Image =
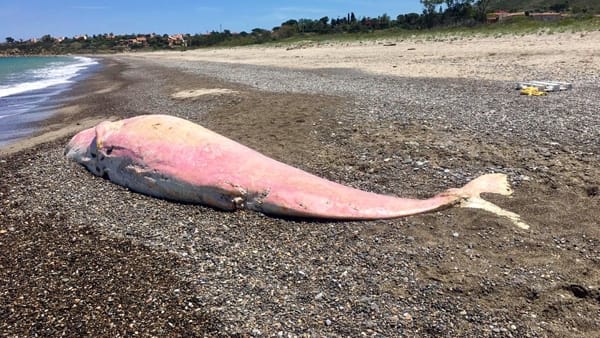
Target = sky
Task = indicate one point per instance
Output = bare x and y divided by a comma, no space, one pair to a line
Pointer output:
25,19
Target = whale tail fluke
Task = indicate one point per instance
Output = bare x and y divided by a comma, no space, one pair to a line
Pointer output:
489,183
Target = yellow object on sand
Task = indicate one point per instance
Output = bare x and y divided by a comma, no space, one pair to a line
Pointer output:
533,91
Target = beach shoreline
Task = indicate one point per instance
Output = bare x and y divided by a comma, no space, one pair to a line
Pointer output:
80,255
69,111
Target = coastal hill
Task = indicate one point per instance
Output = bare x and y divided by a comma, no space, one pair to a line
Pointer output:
464,15
574,6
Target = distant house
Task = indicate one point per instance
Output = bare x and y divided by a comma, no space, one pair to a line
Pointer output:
177,40
497,16
138,41
80,37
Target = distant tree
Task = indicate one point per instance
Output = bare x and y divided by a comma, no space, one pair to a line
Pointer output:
261,35
409,21
259,31
453,12
560,7
577,9
306,25
430,15
285,31
384,21
76,45
47,38
291,22
323,25
288,29
457,11
10,40
430,5
482,8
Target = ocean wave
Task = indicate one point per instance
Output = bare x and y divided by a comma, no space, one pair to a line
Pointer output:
8,115
56,73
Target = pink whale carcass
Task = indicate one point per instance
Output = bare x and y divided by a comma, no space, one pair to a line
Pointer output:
172,158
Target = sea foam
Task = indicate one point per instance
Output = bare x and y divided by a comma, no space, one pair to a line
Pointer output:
55,73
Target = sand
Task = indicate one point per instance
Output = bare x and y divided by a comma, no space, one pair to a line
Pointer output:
194,93
80,256
560,56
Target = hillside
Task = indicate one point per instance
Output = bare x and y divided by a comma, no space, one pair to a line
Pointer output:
576,6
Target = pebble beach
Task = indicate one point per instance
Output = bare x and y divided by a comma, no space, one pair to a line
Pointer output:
83,256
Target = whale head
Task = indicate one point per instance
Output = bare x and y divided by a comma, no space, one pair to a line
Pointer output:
85,147
82,148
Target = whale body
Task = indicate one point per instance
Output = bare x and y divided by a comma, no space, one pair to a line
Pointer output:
175,159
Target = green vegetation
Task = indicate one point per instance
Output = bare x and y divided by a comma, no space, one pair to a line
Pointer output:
573,6
439,18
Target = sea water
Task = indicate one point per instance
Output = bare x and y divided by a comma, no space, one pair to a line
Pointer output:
29,87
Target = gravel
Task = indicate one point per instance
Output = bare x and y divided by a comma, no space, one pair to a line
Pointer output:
485,108
82,256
